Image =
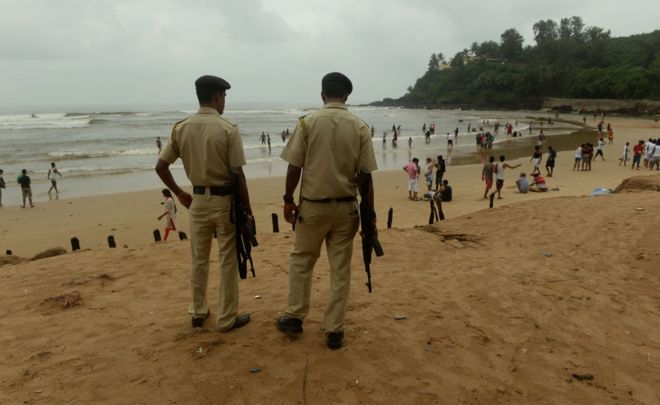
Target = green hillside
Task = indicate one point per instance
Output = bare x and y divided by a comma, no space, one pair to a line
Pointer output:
568,60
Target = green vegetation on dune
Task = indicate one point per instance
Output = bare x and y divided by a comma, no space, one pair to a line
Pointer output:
568,60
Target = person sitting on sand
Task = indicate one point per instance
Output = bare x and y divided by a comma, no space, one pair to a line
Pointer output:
538,184
169,214
522,183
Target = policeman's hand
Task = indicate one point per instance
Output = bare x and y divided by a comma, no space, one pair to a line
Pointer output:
290,212
185,199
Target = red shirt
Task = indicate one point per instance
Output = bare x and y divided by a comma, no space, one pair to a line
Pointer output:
637,149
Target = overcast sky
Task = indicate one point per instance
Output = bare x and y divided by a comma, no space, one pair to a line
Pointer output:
78,52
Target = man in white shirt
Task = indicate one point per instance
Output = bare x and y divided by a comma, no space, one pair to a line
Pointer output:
501,165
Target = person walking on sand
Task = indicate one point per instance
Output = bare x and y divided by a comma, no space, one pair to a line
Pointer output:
2,185
26,189
599,149
501,165
428,173
536,159
332,150
169,214
487,175
412,168
550,162
207,134
52,176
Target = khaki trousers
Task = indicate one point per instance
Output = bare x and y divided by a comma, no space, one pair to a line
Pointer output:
336,223
208,214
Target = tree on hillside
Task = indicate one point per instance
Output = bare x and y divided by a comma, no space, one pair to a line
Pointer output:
489,49
545,31
458,60
511,44
434,63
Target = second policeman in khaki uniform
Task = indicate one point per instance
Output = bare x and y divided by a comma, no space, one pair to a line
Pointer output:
211,150
331,149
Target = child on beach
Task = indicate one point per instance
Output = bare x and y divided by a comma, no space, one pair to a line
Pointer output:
522,183
536,158
538,184
170,213
624,155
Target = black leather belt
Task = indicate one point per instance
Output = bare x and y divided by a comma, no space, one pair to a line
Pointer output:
327,200
213,190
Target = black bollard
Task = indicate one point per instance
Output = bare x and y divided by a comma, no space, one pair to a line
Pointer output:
183,236
111,242
75,244
156,235
390,214
8,252
276,225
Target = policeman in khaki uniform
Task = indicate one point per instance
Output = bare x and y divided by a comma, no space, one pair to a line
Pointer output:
211,149
331,149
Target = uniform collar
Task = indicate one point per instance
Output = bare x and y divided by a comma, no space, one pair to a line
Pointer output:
207,110
335,104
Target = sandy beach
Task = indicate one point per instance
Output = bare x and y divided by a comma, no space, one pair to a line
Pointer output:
547,298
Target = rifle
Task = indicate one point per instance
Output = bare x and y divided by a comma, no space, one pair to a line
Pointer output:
369,233
246,229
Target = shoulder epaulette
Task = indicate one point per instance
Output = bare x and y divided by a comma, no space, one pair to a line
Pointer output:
227,121
178,122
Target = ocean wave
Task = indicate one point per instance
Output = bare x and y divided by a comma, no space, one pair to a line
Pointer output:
83,171
78,155
106,113
288,111
43,121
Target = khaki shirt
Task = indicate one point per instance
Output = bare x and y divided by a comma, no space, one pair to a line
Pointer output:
331,145
208,145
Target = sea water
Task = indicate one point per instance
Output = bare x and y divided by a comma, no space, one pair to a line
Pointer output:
105,149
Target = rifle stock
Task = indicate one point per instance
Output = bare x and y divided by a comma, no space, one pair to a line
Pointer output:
246,230
370,242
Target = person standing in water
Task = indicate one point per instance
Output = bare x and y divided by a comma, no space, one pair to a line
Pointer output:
52,176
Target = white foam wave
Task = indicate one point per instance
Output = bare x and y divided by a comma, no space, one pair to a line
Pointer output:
43,121
86,154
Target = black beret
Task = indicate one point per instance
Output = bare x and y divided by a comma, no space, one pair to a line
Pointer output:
337,79
208,82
